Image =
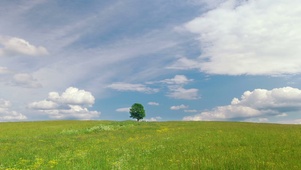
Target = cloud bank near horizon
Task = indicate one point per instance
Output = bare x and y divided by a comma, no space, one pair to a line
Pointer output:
71,104
6,114
259,103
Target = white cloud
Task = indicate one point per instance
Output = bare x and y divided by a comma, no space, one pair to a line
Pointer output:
282,115
125,109
185,64
6,115
226,113
73,112
182,106
177,80
279,99
176,90
190,111
132,87
154,119
295,121
259,37
25,80
73,96
174,86
181,93
9,115
256,104
43,105
72,104
258,120
153,103
16,46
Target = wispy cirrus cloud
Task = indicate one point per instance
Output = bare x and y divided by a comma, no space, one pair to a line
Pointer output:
124,109
191,111
182,93
90,33
153,103
176,89
182,106
132,87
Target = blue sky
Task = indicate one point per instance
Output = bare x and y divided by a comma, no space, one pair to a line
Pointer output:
201,60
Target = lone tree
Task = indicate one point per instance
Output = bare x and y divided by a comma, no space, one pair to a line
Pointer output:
137,111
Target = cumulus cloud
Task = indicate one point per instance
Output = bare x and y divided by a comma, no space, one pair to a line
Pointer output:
43,105
12,46
182,106
153,103
71,104
259,103
73,112
132,87
73,96
226,113
9,115
258,37
124,109
25,80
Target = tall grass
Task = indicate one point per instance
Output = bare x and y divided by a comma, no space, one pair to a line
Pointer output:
148,145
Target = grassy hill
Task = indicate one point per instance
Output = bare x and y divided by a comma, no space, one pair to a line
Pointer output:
148,145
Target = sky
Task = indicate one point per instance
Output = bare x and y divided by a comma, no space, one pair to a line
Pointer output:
183,60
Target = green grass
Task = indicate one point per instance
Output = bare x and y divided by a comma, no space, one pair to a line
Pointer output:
148,145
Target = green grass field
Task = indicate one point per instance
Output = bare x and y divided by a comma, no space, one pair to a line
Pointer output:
148,145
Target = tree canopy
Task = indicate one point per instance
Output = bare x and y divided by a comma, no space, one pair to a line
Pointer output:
137,111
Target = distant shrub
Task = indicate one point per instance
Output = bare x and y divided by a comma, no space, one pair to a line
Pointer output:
69,132
98,128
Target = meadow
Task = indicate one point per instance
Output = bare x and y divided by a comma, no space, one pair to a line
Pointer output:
88,145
